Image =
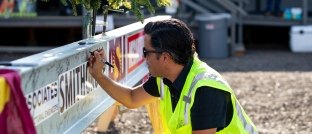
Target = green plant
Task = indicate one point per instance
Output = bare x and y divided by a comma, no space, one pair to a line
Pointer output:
132,5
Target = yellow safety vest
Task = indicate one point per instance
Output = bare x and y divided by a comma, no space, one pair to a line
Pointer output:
179,121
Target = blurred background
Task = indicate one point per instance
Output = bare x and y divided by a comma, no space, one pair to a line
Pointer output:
28,27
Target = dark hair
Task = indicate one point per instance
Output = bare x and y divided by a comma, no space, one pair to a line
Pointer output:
172,36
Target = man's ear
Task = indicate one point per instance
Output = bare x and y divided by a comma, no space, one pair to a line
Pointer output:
166,57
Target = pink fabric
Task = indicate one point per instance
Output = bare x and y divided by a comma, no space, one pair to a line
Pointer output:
15,118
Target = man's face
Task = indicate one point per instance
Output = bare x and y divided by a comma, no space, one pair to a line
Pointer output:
153,63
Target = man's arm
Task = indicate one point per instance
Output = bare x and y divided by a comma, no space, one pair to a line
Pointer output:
129,97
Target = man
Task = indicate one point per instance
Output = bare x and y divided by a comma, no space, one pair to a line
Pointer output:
193,97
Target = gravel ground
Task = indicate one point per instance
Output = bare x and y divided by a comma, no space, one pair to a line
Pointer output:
274,88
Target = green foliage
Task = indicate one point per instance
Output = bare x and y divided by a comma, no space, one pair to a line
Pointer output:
135,6
163,2
132,5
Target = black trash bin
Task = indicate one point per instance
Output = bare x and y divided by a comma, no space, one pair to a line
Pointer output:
213,35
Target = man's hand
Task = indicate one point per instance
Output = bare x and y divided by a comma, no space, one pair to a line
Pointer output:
96,63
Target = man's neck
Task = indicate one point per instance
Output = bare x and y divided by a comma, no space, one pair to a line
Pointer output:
173,71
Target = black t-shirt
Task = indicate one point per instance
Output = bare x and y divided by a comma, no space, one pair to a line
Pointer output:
212,107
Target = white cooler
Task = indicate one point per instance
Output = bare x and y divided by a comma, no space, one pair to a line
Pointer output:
301,39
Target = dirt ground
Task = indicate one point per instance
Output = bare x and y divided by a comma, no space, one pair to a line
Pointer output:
274,87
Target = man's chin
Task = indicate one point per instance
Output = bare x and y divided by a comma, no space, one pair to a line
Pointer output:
151,74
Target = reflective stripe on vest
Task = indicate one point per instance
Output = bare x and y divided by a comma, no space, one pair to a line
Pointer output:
162,87
248,127
187,99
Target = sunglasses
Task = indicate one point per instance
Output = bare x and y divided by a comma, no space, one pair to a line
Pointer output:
145,52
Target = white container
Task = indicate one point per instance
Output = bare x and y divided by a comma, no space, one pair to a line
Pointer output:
296,13
301,39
